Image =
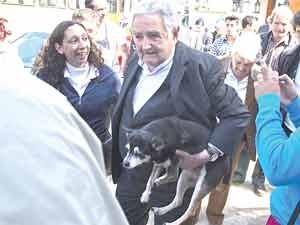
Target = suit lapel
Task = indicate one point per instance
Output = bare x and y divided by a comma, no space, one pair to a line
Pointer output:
176,73
130,77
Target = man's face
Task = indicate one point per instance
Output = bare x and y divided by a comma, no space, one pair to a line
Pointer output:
280,27
241,67
231,28
100,6
153,43
75,46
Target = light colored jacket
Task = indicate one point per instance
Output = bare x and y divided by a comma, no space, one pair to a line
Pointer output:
52,169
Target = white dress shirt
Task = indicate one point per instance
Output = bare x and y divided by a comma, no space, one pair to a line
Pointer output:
150,82
239,86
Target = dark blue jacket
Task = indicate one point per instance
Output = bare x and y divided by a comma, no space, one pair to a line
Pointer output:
96,103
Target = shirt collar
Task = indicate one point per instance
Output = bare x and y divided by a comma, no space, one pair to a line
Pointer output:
160,67
89,70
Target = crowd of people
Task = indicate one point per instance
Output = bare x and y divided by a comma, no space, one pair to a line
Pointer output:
64,129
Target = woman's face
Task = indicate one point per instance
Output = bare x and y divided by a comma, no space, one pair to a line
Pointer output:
75,46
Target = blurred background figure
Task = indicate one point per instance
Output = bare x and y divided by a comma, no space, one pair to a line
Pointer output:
249,24
279,37
73,65
52,169
9,59
108,32
221,48
273,44
91,21
201,38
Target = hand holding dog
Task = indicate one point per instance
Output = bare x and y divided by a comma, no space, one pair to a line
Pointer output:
191,161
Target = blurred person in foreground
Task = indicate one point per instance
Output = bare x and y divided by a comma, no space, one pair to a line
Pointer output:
9,59
73,65
277,152
52,169
164,78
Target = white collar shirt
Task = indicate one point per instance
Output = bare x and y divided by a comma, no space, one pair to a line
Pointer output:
150,82
79,78
239,86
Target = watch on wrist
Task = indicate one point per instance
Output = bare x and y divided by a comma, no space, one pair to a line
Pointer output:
214,152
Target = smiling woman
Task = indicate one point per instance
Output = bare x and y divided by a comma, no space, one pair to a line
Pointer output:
73,64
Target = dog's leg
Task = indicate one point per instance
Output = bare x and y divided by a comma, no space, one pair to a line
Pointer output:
154,174
185,181
171,175
193,206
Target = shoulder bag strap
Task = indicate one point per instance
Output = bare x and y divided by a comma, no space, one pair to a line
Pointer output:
295,214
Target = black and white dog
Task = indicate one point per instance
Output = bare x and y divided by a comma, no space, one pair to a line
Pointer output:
156,143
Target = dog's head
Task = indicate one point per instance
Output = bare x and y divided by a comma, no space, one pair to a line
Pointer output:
143,147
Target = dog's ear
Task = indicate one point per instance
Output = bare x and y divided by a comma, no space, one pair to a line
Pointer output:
157,143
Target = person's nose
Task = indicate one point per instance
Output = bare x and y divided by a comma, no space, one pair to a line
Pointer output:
83,43
146,43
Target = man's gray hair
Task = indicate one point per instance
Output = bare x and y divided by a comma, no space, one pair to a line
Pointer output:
281,10
165,8
247,46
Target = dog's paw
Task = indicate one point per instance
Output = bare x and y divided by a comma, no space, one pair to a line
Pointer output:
145,197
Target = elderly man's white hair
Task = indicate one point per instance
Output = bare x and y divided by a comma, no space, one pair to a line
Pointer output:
282,10
167,9
247,46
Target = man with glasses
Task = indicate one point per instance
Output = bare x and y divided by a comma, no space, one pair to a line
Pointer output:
164,78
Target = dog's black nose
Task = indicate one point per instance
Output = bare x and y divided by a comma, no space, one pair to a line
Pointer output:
126,164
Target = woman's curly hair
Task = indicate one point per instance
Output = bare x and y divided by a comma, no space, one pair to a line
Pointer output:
53,63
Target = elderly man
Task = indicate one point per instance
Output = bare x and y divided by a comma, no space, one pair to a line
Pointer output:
273,43
167,78
279,36
237,75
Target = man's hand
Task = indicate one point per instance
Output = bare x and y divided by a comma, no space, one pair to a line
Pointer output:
287,89
266,82
188,161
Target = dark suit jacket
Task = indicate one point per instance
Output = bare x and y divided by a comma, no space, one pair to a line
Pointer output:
289,61
199,94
